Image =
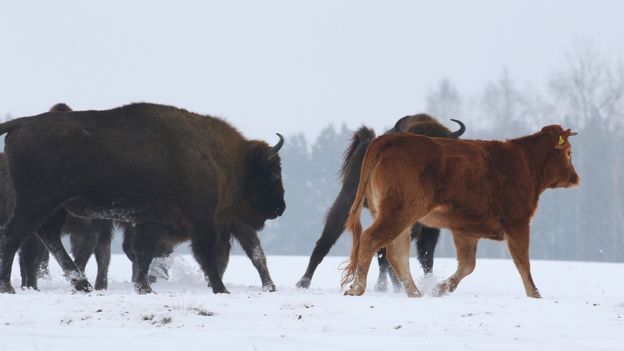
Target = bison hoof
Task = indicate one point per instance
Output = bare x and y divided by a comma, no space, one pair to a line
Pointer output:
304,283
82,285
143,289
381,286
220,291
270,287
6,288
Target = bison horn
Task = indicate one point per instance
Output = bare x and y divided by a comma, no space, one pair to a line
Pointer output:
462,128
398,126
275,149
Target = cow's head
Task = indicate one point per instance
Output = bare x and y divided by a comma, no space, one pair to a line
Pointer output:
264,191
559,171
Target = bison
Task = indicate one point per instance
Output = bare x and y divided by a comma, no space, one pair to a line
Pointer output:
477,189
426,237
87,236
171,173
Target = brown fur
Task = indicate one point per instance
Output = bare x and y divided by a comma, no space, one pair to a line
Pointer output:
478,189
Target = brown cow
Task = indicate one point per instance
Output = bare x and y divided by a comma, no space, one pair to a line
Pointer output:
477,189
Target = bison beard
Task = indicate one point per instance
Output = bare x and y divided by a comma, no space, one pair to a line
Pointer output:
174,174
426,237
478,189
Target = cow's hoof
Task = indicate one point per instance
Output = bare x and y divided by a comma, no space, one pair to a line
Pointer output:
101,285
6,288
354,292
413,293
304,283
82,285
270,287
442,289
535,294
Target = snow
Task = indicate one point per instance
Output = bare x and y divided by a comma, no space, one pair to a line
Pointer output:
582,309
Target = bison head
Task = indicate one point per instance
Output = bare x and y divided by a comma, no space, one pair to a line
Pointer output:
423,124
264,191
559,171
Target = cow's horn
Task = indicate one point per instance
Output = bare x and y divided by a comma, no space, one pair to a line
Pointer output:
275,149
462,128
573,133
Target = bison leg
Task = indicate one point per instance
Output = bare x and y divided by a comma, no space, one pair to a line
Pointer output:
82,246
398,255
50,234
22,224
384,271
518,243
426,241
145,241
31,256
334,226
204,245
337,216
466,247
103,255
251,244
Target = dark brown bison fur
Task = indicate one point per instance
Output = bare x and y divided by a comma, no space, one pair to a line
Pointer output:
477,189
87,236
426,238
172,173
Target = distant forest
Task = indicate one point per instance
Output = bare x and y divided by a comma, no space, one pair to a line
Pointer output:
585,94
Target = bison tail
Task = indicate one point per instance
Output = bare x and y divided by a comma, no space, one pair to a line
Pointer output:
8,126
359,136
354,224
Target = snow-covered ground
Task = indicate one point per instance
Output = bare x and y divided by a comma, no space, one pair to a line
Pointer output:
582,309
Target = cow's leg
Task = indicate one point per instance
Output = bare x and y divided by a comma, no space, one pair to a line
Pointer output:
378,235
518,243
398,255
145,240
31,255
103,255
426,242
204,244
466,247
50,234
251,244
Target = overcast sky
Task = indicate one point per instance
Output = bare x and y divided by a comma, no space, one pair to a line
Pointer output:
284,66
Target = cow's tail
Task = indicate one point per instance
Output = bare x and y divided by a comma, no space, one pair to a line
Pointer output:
8,126
354,224
359,136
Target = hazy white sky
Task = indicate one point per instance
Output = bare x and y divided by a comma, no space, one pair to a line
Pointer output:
284,66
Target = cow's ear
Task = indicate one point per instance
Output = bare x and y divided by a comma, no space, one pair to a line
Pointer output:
562,141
